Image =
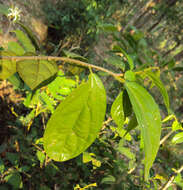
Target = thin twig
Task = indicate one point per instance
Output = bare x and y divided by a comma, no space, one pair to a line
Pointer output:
166,137
171,179
117,76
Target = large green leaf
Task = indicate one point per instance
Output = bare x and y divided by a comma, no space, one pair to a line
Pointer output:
149,119
36,72
7,67
75,124
117,112
156,80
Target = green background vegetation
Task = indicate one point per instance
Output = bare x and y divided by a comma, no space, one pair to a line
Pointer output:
114,35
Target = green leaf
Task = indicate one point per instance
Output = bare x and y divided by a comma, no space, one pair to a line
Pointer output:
178,138
123,134
31,35
74,55
132,124
117,112
129,59
116,61
176,126
149,119
13,158
16,81
41,156
108,28
156,80
7,67
25,41
48,101
108,179
14,179
16,48
37,73
76,122
126,151
2,166
87,157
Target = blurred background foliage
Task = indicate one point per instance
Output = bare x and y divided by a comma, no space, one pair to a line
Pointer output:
150,32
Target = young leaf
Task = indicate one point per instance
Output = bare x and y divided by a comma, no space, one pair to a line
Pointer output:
130,60
156,80
149,119
76,121
34,72
130,76
7,67
25,41
178,138
117,110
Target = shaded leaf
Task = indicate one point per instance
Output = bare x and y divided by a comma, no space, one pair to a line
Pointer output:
127,106
149,119
76,122
108,179
74,55
25,41
16,48
116,61
7,67
132,124
14,179
16,81
30,34
108,27
126,151
34,72
117,112
2,166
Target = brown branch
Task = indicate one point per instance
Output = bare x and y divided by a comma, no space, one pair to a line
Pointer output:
117,76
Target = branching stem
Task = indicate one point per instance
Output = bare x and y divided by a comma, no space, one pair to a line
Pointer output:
171,179
117,76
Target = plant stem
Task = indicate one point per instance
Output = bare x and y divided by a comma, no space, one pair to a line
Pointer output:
117,76
171,179
166,137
